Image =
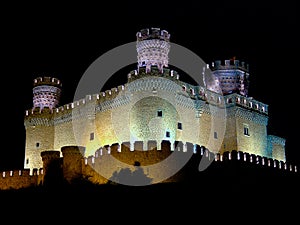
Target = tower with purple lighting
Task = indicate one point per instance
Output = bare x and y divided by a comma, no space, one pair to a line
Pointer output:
153,48
46,92
232,76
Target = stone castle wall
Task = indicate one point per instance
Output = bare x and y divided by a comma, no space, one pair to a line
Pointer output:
130,113
39,137
117,162
19,179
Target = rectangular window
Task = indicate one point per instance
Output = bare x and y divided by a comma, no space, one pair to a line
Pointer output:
215,135
246,130
168,134
179,126
27,161
92,136
159,113
37,144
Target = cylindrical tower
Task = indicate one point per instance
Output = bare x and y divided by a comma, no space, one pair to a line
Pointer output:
52,167
46,92
153,46
72,161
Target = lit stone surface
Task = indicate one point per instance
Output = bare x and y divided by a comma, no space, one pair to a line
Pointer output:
129,115
153,48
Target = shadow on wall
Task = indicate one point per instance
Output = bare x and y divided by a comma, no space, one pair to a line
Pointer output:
128,177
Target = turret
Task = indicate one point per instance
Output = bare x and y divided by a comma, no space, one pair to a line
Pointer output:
72,162
46,92
52,167
232,76
153,48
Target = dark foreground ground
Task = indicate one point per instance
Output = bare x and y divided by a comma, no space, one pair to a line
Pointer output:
228,193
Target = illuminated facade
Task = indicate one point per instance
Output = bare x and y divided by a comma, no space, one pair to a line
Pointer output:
154,106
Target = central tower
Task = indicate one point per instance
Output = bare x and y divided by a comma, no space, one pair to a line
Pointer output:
153,46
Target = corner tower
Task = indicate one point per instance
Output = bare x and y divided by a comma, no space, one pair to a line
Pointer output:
153,46
38,121
232,76
46,92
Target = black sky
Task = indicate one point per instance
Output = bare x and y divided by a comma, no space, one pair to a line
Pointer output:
62,41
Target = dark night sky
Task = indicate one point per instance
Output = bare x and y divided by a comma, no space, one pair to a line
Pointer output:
62,42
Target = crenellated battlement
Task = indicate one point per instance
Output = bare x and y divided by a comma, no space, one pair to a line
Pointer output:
17,179
67,108
213,98
154,71
115,97
22,172
257,160
229,64
167,148
51,81
36,112
102,97
153,33
247,102
74,164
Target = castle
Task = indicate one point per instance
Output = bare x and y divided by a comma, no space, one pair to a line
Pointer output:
145,121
